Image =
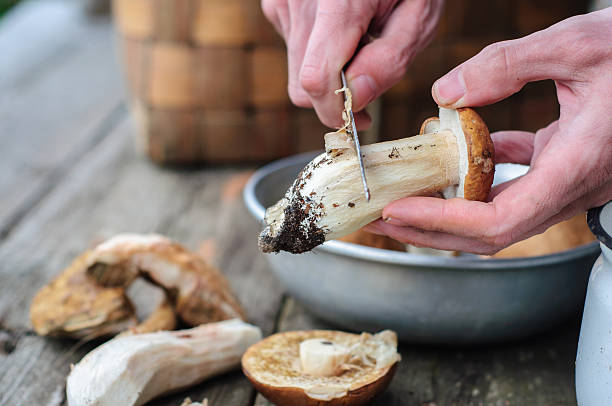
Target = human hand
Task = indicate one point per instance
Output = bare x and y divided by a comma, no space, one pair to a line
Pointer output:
323,35
571,159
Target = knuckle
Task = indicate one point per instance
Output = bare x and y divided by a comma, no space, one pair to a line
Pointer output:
312,80
499,241
270,7
332,9
331,122
298,97
397,59
488,251
499,55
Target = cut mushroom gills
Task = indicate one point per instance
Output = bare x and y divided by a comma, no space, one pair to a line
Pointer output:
322,367
453,155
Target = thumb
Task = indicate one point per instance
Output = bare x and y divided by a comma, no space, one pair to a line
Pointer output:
503,68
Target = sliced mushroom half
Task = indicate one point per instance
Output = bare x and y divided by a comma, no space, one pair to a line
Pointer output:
320,367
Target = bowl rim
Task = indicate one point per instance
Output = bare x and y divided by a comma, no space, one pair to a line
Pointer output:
404,258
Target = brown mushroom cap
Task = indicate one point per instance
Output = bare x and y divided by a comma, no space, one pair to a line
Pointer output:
481,156
480,152
273,367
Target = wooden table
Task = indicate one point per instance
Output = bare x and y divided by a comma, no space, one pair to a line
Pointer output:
69,176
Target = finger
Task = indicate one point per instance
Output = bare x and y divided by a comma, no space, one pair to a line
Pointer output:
302,18
513,146
363,120
454,216
498,189
595,198
374,227
337,29
382,63
503,68
437,240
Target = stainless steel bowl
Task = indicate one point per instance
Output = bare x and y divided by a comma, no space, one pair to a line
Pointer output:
425,298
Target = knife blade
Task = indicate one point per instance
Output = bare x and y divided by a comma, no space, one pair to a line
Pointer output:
366,189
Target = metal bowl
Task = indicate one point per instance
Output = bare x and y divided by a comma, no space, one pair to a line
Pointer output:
425,298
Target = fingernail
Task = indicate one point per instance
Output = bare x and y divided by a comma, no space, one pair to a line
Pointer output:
363,89
393,221
450,89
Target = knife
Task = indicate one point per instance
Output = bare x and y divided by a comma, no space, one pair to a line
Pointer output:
366,189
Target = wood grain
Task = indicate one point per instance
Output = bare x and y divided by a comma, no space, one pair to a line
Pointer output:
171,80
225,135
172,136
268,77
136,62
172,19
307,131
221,23
56,104
221,78
108,192
135,18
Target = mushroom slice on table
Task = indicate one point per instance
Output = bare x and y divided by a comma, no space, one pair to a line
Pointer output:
74,305
199,292
321,367
131,370
454,155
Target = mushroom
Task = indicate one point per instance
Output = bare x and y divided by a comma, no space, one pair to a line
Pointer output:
74,305
453,155
199,292
131,370
88,298
322,367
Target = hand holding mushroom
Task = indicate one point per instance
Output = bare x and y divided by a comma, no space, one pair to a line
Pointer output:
571,159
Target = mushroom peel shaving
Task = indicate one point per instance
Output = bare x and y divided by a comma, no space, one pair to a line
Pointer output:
131,370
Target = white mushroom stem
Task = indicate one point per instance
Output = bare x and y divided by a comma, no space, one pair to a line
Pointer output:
132,370
321,357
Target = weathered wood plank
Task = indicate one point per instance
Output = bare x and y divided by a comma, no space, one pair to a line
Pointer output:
537,371
59,87
110,190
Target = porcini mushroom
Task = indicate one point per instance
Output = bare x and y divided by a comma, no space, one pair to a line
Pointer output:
74,305
131,370
200,293
321,367
453,155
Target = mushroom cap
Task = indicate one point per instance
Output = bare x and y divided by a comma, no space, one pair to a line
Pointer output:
481,156
273,368
480,153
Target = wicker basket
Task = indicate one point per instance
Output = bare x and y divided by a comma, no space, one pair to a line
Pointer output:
208,82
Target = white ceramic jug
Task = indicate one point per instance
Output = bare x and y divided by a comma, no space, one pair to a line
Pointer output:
594,358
